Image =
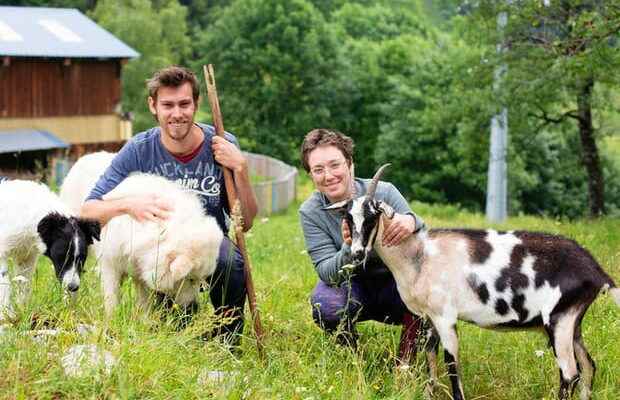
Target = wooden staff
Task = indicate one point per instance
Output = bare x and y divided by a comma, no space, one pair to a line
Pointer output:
234,203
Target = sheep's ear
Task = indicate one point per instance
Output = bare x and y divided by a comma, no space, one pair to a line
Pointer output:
49,226
91,228
386,209
180,267
338,208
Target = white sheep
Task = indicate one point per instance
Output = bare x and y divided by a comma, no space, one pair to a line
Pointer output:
82,178
172,257
492,279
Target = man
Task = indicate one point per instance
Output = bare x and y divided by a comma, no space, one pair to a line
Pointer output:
343,297
192,155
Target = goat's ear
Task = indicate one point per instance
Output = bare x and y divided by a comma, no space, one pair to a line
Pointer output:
386,209
339,207
180,267
49,225
91,228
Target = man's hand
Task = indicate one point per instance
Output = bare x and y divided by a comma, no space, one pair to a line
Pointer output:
150,207
346,233
400,228
227,154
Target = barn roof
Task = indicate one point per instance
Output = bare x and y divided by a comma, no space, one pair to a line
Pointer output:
29,140
56,32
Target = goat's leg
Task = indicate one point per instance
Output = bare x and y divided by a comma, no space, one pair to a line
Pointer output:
5,291
449,340
561,334
408,346
587,367
431,347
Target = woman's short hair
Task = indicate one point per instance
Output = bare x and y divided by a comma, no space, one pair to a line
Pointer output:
326,137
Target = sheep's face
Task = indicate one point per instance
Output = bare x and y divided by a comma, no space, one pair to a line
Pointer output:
66,242
191,258
187,271
184,254
362,217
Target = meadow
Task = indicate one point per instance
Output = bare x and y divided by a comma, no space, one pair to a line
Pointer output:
156,361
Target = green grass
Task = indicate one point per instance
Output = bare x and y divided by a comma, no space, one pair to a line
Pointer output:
155,361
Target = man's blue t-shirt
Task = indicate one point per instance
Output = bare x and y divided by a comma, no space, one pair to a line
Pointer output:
201,175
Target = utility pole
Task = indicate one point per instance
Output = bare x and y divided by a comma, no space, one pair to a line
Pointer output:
497,181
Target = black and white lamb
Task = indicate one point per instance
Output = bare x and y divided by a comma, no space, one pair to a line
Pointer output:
34,221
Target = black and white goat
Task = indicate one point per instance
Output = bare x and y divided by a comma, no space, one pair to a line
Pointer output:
34,221
492,279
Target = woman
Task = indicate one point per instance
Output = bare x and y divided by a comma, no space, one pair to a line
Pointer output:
346,295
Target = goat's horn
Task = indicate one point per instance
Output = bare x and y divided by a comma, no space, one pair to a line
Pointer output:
375,180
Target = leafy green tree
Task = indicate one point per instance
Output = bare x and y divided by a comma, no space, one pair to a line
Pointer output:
378,22
158,34
277,66
379,40
561,60
436,141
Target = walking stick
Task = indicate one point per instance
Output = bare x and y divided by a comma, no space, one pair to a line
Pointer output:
234,204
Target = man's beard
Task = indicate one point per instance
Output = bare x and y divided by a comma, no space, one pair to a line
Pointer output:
178,134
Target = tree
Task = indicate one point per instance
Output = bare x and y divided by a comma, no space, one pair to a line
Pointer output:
560,59
158,34
434,123
381,41
278,68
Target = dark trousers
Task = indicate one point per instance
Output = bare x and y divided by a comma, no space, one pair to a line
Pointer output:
227,291
337,309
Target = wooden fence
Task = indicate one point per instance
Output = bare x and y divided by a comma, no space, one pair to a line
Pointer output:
279,188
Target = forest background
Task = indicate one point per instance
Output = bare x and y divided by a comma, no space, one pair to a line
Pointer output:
412,81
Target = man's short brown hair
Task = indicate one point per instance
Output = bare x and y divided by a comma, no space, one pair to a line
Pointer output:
325,137
173,76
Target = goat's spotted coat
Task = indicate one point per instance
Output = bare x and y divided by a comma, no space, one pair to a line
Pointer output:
493,279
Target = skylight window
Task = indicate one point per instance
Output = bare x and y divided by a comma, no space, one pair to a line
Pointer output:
7,34
60,31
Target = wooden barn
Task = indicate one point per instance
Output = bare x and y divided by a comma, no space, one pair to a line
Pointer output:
60,82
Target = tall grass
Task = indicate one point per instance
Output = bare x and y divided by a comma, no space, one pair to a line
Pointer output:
156,361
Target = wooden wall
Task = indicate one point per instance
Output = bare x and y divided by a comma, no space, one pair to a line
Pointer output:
31,87
75,129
